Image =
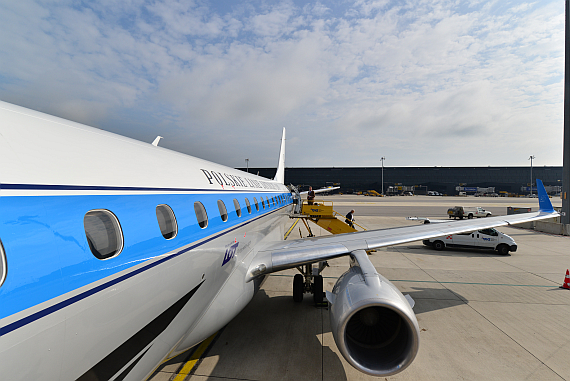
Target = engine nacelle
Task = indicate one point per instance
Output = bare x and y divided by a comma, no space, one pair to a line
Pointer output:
373,324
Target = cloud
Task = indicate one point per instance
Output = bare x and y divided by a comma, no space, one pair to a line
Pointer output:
408,79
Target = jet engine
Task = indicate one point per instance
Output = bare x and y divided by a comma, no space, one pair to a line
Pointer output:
373,324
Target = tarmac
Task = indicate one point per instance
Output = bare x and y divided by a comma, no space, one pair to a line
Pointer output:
482,316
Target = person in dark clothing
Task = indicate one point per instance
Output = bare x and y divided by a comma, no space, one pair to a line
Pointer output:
350,218
310,196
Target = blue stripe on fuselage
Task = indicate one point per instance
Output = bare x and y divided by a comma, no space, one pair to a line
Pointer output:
48,254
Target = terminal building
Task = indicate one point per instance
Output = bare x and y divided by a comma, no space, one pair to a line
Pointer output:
420,180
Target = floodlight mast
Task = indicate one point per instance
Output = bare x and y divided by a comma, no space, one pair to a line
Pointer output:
382,160
531,158
565,215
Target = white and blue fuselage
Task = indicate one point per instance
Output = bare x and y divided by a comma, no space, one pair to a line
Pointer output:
67,314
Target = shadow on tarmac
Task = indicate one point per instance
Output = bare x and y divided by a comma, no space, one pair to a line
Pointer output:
433,299
454,252
276,338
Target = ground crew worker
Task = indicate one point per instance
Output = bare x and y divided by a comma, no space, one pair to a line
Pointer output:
310,196
350,218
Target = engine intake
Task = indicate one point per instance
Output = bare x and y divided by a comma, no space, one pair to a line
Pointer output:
373,324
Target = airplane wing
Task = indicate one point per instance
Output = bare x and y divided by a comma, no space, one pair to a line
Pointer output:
426,220
285,255
321,190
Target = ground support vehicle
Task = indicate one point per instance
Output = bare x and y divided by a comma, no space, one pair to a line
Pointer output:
463,212
481,239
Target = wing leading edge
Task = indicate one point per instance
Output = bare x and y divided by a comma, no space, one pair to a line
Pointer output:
289,254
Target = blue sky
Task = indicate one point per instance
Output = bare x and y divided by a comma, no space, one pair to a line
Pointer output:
423,83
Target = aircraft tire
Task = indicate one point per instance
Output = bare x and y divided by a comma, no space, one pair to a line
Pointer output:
318,289
298,286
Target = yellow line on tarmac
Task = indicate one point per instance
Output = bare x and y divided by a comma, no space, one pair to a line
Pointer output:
290,229
187,368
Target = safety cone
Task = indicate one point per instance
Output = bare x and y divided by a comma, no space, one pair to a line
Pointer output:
566,283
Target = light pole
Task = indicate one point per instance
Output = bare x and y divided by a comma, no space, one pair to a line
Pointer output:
531,158
382,160
247,165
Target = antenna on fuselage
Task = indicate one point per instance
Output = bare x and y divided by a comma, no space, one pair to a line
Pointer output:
155,142
280,174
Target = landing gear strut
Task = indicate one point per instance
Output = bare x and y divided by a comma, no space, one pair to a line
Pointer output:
309,281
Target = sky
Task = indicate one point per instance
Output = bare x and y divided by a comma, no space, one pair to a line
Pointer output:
421,83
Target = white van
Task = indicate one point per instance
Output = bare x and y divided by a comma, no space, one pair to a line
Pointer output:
480,239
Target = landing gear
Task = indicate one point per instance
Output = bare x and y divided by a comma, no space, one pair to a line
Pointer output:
318,289
298,288
309,281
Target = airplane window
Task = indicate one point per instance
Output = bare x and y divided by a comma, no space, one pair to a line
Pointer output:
248,205
223,210
256,204
238,208
268,202
262,202
3,264
273,201
103,233
201,214
166,221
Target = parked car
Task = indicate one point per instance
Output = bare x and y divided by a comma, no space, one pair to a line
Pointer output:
462,212
481,239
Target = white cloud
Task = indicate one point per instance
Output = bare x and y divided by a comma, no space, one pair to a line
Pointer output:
407,78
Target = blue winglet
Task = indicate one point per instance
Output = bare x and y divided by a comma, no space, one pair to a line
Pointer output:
544,204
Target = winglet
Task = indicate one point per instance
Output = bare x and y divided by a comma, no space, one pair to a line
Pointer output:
155,142
544,204
280,174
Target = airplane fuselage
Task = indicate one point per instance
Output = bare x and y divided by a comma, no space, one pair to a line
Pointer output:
70,312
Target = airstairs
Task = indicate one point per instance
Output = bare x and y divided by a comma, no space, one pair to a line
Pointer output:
322,214
319,212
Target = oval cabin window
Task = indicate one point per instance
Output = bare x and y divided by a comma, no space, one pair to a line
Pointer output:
238,207
223,210
201,215
103,233
248,205
166,221
3,264
256,204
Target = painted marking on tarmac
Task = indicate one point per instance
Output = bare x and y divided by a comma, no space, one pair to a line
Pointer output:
291,229
471,283
196,356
